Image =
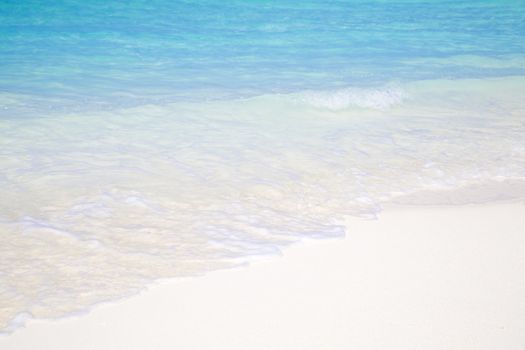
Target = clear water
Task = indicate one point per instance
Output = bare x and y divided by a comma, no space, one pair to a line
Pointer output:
155,139
157,50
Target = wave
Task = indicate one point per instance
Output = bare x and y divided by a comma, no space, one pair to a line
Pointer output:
375,98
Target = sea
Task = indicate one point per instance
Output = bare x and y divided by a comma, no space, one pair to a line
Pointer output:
144,140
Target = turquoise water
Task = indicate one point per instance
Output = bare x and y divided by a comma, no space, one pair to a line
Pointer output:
106,52
157,139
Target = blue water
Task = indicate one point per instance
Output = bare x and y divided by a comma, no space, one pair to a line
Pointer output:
107,52
144,140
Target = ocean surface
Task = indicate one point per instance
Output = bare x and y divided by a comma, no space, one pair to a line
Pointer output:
145,140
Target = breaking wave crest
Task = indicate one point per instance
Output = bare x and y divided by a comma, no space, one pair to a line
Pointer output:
375,98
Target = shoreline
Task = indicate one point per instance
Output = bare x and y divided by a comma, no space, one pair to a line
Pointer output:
429,277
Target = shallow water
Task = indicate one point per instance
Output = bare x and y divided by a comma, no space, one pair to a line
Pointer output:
163,139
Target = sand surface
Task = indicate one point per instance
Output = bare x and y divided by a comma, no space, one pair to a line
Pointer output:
417,278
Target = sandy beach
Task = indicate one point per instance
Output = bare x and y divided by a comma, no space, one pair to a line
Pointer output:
416,278
262,175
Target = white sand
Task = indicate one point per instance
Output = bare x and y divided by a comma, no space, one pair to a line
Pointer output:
417,278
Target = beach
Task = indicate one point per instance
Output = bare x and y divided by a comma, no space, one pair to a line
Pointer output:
262,174
427,277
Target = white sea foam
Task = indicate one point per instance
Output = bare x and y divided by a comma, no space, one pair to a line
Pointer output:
376,98
95,207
